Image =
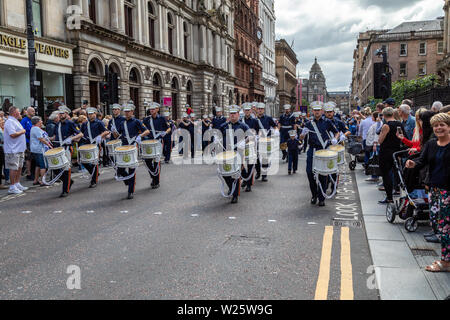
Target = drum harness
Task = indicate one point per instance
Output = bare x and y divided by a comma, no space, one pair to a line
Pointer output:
316,175
158,159
130,142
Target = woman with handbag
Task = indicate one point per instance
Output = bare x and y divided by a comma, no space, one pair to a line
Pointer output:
372,144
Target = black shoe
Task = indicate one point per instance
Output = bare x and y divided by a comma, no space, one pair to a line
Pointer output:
130,196
289,173
248,189
93,185
321,203
71,184
433,239
156,186
264,179
313,200
284,157
386,201
234,200
294,172
63,195
258,175
429,234
244,184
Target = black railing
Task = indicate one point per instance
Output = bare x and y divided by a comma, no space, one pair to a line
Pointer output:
425,98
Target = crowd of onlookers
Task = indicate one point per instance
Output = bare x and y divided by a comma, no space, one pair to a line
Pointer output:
425,135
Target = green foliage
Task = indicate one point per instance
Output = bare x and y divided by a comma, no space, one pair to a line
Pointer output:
402,87
373,103
305,102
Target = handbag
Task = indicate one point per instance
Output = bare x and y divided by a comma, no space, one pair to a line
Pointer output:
373,166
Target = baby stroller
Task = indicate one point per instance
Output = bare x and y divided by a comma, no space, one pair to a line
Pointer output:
412,206
356,151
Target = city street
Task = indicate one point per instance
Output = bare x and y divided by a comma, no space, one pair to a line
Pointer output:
184,241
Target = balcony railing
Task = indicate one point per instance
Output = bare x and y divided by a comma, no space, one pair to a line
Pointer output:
408,35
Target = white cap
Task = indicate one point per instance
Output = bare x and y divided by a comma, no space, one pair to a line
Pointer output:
205,116
328,107
219,109
193,115
234,109
116,106
287,107
166,114
211,115
261,106
91,110
64,109
129,107
292,133
316,105
185,115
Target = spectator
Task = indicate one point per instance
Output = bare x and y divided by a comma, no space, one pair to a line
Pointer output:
362,132
408,102
436,107
372,141
84,106
415,144
445,109
52,123
389,144
427,129
6,105
81,119
27,125
39,144
2,154
436,155
15,145
408,120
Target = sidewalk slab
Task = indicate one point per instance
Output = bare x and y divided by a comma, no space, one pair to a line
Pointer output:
392,254
383,231
403,284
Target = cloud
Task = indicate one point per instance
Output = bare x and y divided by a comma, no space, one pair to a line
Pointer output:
329,29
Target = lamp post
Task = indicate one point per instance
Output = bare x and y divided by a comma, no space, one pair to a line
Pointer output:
31,53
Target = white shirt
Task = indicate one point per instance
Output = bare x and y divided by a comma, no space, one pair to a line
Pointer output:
365,126
372,136
14,145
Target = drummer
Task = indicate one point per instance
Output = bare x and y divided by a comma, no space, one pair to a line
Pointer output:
167,147
265,123
131,132
286,124
330,114
206,125
234,124
158,128
318,139
94,132
66,131
253,125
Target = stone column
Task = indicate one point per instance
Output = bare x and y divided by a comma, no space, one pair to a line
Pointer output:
114,12
85,9
203,46
121,16
223,54
180,36
210,46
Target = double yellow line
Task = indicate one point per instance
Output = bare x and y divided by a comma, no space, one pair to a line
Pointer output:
325,264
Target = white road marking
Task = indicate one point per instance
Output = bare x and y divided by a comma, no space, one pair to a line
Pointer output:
232,218
27,211
59,211
312,223
125,211
90,211
272,220
194,215
158,213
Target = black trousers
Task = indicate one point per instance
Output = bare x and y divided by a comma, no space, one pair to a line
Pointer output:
259,165
131,183
167,148
67,176
2,163
91,168
230,181
387,167
153,166
246,171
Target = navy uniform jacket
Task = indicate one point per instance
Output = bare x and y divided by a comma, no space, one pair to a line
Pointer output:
267,123
68,129
205,128
135,127
118,121
340,125
324,126
218,122
252,123
293,145
287,121
159,123
97,128
235,126
189,128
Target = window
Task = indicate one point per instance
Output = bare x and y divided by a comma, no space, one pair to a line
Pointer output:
422,68
170,28
37,17
440,45
423,49
403,49
151,24
129,6
92,12
185,40
403,72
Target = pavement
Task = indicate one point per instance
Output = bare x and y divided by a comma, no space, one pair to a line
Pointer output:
185,241
399,256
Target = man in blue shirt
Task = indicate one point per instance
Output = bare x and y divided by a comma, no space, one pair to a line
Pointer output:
27,125
286,124
318,131
265,124
117,119
233,125
132,131
409,122
159,129
66,132
94,132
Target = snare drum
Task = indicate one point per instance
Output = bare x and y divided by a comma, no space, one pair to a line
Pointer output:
57,159
112,145
265,146
150,149
126,157
228,163
325,162
89,154
250,151
341,153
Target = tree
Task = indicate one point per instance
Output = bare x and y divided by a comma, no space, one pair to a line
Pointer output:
401,88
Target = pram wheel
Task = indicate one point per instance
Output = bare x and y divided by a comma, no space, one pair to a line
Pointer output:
411,224
352,165
391,212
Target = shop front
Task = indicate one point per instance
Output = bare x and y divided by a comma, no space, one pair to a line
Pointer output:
54,62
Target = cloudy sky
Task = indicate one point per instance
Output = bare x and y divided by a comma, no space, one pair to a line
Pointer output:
328,29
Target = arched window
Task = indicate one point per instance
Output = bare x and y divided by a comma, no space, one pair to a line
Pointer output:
156,88
134,77
170,31
185,39
151,24
189,93
93,68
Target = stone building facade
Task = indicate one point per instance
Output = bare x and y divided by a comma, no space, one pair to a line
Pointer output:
342,100
54,55
315,86
267,55
286,69
248,67
414,49
444,64
167,51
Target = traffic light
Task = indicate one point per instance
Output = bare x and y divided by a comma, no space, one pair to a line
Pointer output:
382,82
104,92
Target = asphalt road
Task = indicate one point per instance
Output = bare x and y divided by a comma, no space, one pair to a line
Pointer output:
182,241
